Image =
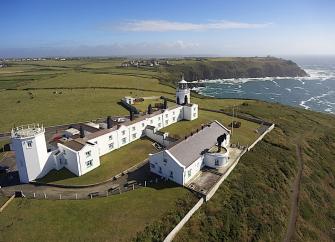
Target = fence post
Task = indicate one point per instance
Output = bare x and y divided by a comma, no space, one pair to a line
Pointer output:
60,196
145,183
133,186
107,193
76,196
45,195
34,195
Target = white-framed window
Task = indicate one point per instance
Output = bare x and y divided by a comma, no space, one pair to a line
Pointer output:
143,125
88,153
96,142
123,132
151,121
29,144
134,128
159,118
159,125
189,173
124,140
134,136
166,121
173,113
194,114
110,137
166,115
174,119
111,146
89,163
195,109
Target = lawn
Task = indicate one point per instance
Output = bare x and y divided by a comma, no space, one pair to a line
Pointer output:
143,106
245,135
116,218
112,164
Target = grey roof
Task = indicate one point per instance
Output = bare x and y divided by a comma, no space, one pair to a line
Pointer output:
74,145
190,149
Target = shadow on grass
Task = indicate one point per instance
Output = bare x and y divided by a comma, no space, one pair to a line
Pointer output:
55,175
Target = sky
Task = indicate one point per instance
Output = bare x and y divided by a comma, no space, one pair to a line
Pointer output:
44,28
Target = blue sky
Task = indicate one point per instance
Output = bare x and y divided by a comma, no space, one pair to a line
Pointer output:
174,27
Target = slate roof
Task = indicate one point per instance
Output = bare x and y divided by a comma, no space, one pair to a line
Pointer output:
74,145
190,149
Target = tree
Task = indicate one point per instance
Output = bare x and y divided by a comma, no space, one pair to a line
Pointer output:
149,109
220,140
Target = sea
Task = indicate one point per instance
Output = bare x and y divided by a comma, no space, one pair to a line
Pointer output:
315,92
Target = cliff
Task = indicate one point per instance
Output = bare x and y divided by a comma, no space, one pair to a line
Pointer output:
237,67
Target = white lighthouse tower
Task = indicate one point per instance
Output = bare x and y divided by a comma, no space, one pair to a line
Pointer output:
30,148
183,93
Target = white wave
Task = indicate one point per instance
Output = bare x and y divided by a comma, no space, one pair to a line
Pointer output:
299,88
276,83
289,89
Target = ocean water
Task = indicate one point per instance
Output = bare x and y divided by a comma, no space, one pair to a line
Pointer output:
315,92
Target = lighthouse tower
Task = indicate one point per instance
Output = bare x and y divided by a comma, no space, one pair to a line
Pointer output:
183,93
30,148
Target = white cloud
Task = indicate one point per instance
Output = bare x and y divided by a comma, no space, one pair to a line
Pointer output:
165,26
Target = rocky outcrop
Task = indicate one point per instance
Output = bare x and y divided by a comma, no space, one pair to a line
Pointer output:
238,67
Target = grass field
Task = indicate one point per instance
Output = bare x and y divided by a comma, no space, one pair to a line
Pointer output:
111,164
245,135
117,218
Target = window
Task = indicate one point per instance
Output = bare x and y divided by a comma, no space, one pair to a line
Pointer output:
134,136
152,166
159,125
89,163
166,115
173,112
159,118
123,132
124,140
189,173
143,125
111,145
110,137
174,119
134,128
151,121
96,142
29,144
195,109
165,160
88,153
171,174
166,121
160,170
216,162
194,114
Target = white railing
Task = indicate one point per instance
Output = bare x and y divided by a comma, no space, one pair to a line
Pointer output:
27,130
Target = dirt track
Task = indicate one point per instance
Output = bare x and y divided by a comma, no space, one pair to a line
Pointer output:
294,198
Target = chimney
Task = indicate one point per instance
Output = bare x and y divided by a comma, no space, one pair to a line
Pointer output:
131,115
109,122
82,133
165,104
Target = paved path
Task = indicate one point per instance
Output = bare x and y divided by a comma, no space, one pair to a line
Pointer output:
295,198
139,175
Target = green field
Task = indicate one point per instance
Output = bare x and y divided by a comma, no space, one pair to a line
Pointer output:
116,218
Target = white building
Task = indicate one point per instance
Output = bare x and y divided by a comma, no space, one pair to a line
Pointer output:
81,154
183,161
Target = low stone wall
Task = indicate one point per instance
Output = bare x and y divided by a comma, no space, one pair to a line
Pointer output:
179,226
218,184
7,203
261,137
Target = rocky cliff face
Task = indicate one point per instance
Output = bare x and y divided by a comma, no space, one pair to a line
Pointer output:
251,67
